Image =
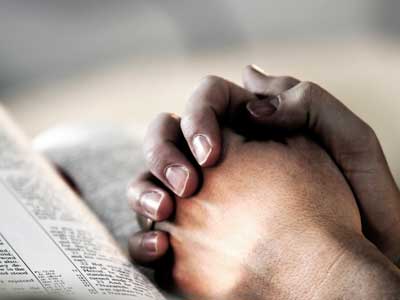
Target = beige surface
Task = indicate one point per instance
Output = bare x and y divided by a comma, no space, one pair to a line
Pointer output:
362,73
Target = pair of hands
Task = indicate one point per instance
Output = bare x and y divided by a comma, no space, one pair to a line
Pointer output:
288,105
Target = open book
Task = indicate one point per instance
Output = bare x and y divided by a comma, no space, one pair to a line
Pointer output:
51,242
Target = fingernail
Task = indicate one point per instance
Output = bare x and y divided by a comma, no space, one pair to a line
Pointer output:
257,69
202,148
177,177
150,202
149,242
263,107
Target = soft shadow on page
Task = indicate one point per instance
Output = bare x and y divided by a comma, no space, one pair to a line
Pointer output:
100,160
50,241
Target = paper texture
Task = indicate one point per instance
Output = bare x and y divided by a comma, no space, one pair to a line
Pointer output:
101,159
50,242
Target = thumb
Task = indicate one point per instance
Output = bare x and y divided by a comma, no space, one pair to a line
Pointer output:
258,82
354,147
307,106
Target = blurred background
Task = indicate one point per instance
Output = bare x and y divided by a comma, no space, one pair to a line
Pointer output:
125,61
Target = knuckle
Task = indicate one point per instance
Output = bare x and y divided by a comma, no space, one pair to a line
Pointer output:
305,88
164,117
158,124
282,84
287,81
187,120
248,70
302,93
368,134
191,122
308,92
363,142
367,129
211,80
311,90
210,88
150,149
156,155
187,126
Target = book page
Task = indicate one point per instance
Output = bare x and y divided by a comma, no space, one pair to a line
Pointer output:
50,242
101,159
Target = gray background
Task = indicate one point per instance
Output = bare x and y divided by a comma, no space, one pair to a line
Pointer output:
47,39
125,61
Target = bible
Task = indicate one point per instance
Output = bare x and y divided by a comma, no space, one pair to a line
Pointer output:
54,242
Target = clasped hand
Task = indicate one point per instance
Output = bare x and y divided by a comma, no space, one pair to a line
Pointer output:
295,201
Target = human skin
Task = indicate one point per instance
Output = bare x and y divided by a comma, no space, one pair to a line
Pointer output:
297,106
274,220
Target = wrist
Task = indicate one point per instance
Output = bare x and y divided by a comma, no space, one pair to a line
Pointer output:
358,271
317,265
